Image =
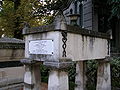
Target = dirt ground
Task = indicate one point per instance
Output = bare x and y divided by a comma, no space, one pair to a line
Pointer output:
44,86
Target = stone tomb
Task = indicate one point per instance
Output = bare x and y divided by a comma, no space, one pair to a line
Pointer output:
80,45
11,49
57,46
11,70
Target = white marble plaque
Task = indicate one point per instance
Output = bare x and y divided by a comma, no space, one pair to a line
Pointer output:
41,47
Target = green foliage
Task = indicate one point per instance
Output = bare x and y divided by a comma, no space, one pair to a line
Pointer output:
115,72
72,74
91,74
36,13
115,6
7,18
44,73
12,18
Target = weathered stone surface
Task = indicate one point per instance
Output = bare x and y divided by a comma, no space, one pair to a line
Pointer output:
58,65
28,61
80,44
11,54
41,29
77,44
58,80
11,78
12,72
32,76
80,78
11,43
16,86
69,29
103,76
78,47
10,40
7,82
11,49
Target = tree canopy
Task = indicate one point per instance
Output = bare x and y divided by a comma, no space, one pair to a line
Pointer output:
14,13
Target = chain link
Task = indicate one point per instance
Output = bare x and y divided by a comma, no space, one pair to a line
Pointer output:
108,47
64,39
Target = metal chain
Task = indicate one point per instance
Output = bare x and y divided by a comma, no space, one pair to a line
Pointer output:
64,39
108,47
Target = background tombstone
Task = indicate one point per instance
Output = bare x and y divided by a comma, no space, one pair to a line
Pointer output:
11,70
32,76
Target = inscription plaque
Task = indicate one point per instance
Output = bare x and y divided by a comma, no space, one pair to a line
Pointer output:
41,47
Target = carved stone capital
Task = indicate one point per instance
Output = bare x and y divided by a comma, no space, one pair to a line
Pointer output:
106,59
28,61
62,64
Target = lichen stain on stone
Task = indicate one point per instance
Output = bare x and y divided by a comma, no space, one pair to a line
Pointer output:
82,38
82,44
91,44
13,54
45,34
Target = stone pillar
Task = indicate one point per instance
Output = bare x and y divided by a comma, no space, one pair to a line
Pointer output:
80,79
58,80
103,75
32,76
58,77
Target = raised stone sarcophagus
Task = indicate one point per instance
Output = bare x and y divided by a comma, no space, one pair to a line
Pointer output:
53,42
57,45
11,70
11,49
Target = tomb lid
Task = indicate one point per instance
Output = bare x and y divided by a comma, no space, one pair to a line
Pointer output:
10,40
11,43
70,29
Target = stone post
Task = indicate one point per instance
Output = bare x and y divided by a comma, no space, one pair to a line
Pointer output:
80,79
32,76
103,75
58,77
58,80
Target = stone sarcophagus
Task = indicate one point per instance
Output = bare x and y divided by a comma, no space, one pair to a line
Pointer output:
11,49
57,45
57,41
11,70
